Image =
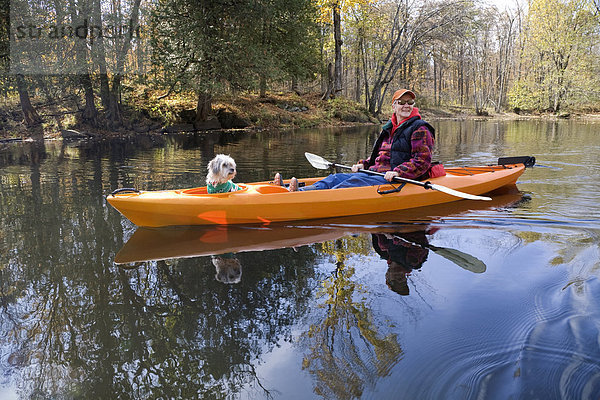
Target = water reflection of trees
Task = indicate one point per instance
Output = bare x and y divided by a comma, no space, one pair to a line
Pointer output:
347,350
79,326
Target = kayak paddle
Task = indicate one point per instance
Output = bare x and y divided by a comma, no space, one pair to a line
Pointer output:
321,163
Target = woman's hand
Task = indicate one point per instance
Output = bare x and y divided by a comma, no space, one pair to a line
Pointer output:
356,167
390,175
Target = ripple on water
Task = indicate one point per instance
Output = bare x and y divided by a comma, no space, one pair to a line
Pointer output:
560,354
541,341
559,359
534,221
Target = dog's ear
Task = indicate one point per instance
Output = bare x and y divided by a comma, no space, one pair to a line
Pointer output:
214,166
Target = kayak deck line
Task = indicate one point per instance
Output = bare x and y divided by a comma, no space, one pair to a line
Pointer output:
265,202
473,170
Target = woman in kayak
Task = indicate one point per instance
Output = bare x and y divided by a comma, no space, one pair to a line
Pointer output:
403,149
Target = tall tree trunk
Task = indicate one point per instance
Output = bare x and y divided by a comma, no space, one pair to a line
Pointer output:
558,95
30,115
90,113
294,85
114,115
381,97
358,84
52,102
363,58
323,57
357,70
501,72
329,93
435,67
345,82
104,88
439,89
374,100
203,107
262,87
461,78
337,36
99,57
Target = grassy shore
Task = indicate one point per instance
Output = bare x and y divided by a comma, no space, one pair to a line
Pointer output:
145,112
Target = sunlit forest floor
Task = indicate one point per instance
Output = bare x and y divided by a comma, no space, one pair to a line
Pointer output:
144,112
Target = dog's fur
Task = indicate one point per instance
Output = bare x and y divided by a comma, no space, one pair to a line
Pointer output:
229,269
221,169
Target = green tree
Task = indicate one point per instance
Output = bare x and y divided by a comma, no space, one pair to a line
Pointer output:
285,39
559,38
212,47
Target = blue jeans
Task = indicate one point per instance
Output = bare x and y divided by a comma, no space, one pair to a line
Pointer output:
338,181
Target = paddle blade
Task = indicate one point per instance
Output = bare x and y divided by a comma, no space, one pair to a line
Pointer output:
463,260
317,161
456,193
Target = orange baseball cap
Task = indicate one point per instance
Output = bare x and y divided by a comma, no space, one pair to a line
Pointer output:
402,92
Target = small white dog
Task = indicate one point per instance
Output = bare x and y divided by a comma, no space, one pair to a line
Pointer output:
221,171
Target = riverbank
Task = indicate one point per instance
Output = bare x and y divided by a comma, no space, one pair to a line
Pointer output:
146,112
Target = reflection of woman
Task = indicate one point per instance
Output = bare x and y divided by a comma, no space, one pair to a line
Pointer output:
403,252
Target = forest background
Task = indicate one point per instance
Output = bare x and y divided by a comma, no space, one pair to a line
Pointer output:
109,66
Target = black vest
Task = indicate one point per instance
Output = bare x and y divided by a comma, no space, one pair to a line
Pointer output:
401,148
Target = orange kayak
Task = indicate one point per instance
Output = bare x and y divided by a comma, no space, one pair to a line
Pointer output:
265,202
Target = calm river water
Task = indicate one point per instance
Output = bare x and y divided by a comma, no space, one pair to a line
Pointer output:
471,300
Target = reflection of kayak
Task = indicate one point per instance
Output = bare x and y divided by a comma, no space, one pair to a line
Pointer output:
264,202
157,244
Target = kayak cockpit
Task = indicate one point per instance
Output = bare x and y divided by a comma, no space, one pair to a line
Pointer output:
257,188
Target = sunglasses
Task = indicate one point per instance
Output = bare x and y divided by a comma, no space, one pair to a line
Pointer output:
403,102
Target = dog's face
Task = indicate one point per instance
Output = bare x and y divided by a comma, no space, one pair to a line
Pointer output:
229,270
221,169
